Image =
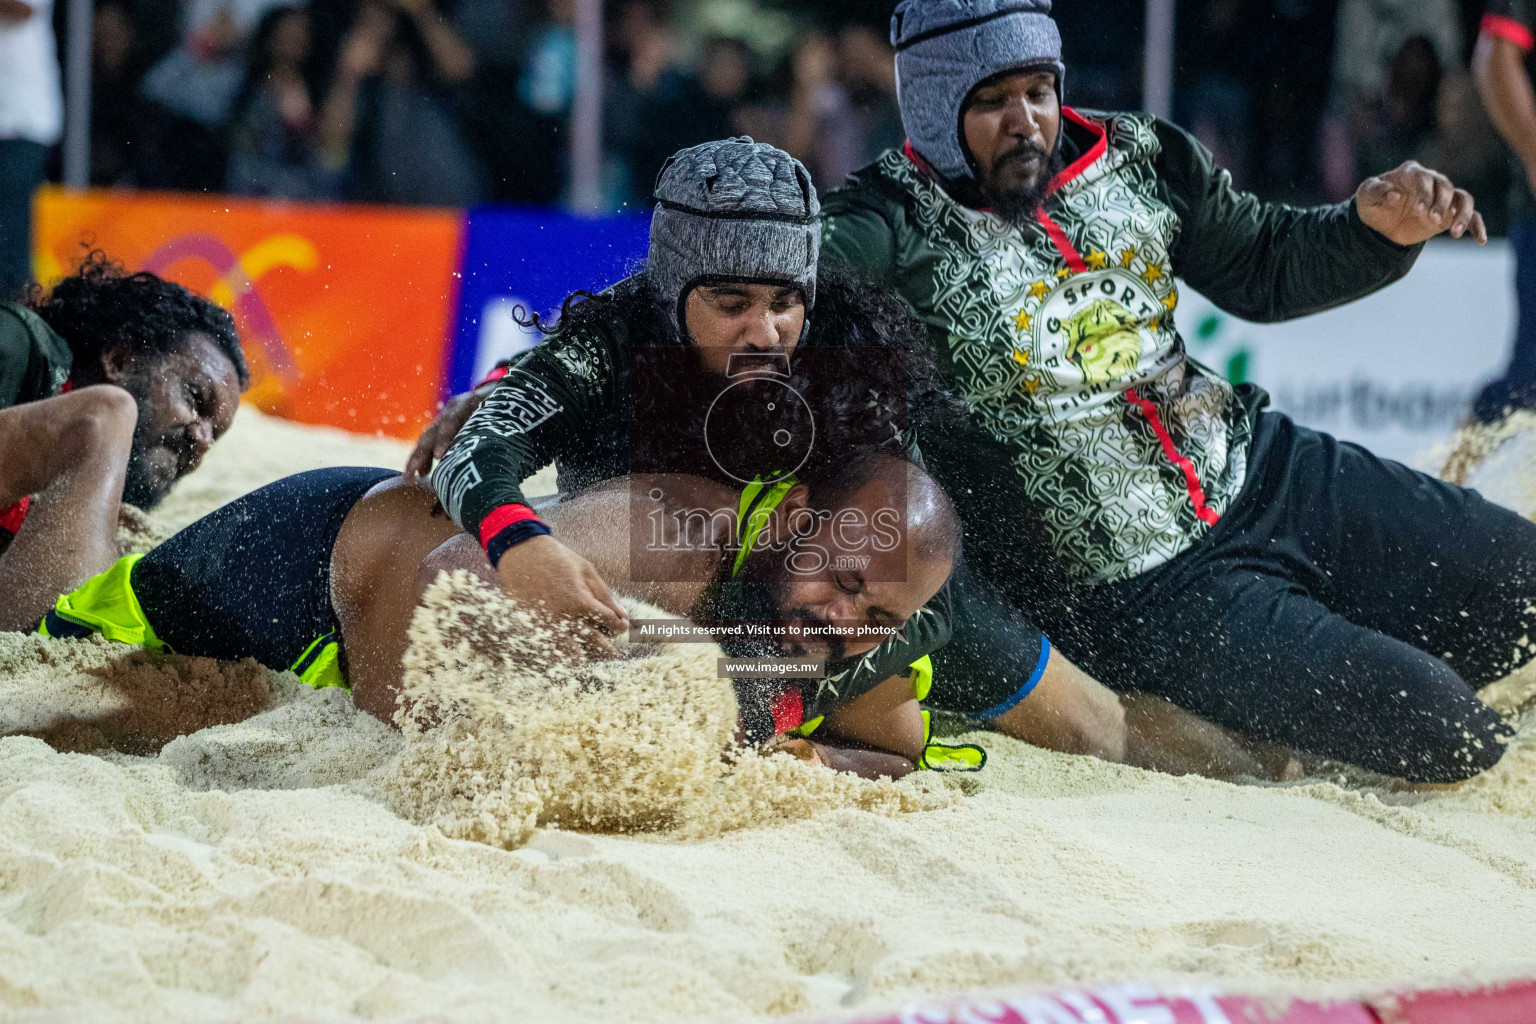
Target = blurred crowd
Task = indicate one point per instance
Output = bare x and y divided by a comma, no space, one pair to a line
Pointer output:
1302,99
450,102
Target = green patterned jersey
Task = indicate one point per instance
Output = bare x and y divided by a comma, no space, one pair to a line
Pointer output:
1061,334
34,360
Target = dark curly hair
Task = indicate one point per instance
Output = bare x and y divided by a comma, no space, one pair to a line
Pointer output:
865,371
101,306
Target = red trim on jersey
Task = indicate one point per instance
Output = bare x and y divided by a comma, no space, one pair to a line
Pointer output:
1067,173
1505,27
496,374
1191,478
1061,241
12,517
788,710
503,517
917,160
1058,236
1083,162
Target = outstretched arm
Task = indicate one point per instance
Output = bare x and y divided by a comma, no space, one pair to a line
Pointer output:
1069,711
865,762
548,404
886,718
638,535
1074,713
1268,261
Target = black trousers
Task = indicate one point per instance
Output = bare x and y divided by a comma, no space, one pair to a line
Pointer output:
1345,605
253,579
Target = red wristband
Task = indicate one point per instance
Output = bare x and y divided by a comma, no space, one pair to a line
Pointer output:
1505,27
495,375
503,517
13,516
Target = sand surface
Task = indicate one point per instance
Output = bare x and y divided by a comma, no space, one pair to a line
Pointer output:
546,855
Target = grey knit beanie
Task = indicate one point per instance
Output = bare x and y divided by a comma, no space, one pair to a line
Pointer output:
946,48
733,210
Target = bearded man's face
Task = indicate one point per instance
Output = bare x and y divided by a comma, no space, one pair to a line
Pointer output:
1010,125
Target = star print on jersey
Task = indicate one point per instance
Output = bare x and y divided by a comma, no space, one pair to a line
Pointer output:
859,678
827,685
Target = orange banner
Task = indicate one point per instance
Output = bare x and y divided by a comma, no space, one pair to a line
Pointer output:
345,312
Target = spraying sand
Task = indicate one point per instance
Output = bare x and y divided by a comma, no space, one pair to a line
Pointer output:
557,845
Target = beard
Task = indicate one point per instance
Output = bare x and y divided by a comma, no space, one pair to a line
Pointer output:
740,600
142,484
1017,202
763,576
153,462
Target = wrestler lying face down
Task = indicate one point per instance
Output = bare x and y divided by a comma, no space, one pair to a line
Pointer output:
112,387
321,573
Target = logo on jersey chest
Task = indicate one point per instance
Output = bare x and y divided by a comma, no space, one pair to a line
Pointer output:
1093,326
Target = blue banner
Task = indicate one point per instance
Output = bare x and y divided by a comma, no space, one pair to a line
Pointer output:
522,260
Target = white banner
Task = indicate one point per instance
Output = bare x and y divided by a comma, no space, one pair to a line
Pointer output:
1395,372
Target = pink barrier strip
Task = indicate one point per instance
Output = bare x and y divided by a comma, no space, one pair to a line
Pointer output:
1128,1004
1510,1003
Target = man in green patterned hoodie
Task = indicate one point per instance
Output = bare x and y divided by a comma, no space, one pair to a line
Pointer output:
1171,536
